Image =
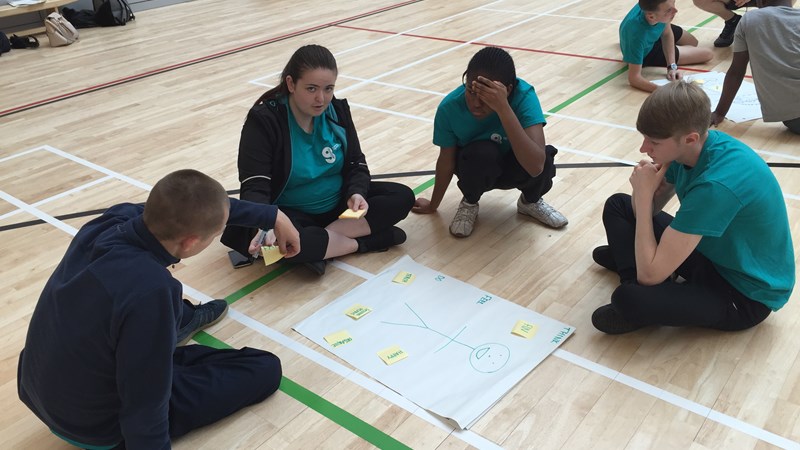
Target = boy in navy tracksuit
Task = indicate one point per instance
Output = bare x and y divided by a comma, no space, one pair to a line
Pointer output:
100,366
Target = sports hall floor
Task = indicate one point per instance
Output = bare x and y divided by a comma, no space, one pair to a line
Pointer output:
99,122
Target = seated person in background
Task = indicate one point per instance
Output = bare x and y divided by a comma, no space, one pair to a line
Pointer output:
769,39
100,365
646,40
730,239
490,133
299,150
724,9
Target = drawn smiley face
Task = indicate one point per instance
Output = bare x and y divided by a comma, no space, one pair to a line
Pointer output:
489,358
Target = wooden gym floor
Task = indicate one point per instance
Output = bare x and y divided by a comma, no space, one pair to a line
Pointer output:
99,122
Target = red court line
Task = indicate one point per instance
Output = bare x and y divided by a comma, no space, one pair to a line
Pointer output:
509,47
200,59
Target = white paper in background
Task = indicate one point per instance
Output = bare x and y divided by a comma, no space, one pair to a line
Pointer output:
462,356
745,105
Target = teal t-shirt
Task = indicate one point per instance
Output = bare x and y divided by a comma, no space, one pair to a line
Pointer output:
733,200
637,37
455,126
314,184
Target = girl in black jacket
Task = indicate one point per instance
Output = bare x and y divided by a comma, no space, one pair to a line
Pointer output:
299,150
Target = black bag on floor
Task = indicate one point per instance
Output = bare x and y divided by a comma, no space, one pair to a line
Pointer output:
5,44
80,19
111,13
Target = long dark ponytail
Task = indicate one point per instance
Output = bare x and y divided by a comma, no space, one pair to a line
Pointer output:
307,57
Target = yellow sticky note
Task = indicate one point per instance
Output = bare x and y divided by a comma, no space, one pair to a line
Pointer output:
358,311
339,338
525,329
392,354
271,254
350,214
698,81
404,278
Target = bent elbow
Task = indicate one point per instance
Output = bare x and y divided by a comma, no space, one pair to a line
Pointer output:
646,279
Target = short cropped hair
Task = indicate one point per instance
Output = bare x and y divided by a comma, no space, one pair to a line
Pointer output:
650,5
674,109
185,202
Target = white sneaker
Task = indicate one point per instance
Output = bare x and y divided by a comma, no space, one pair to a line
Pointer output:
542,212
464,221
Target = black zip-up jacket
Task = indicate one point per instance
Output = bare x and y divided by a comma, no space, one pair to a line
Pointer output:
265,160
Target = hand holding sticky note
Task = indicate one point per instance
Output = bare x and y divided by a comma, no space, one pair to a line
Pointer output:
271,254
350,214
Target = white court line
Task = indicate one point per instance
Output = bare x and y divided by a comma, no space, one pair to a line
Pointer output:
601,19
393,36
469,437
641,386
352,375
98,168
369,384
58,196
22,153
452,49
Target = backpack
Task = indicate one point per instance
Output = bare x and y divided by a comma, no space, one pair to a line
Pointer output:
59,30
5,44
110,13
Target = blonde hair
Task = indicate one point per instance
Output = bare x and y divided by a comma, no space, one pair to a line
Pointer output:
185,202
675,109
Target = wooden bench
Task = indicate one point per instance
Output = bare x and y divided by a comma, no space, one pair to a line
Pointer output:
47,6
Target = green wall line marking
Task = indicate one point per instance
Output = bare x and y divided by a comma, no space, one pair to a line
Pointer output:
316,402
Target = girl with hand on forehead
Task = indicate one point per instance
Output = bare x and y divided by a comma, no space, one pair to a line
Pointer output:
490,133
300,151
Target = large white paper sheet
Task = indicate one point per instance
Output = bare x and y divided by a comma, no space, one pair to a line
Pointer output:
745,105
461,354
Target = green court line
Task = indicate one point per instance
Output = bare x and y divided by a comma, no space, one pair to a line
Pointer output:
252,286
701,24
316,402
578,96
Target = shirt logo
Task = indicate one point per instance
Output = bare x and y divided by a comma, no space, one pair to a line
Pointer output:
495,137
328,154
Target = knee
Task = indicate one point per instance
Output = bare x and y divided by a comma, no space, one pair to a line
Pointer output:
626,300
615,204
266,372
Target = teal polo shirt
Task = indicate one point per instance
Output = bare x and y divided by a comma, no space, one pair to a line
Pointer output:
455,126
315,182
732,199
637,37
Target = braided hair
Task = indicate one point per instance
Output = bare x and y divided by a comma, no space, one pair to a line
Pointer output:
305,58
493,63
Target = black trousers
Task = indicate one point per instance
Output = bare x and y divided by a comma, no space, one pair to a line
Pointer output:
209,384
705,299
481,167
389,203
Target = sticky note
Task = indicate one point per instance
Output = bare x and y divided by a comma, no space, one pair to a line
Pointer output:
404,278
339,338
358,311
525,329
392,354
271,254
350,214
